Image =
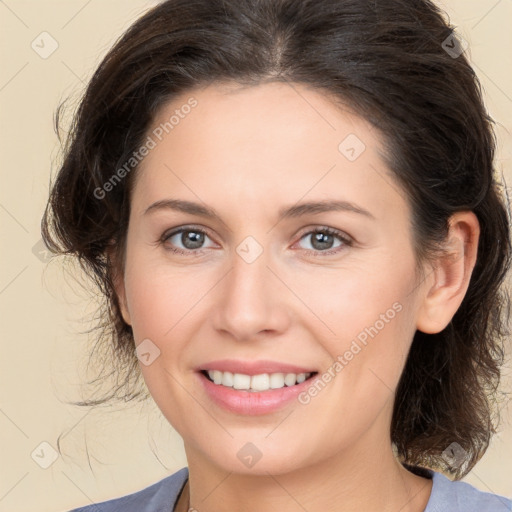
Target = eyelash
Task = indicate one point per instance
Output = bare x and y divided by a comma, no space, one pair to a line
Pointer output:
347,242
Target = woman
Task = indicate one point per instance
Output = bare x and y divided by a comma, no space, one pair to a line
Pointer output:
291,210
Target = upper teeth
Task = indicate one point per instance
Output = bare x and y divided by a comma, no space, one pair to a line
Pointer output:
261,382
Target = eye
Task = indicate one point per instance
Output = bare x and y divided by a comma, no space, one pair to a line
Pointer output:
190,238
322,241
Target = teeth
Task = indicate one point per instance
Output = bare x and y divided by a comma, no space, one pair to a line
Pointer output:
262,382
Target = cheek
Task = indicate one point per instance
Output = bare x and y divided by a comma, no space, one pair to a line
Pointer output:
150,304
375,355
359,301
364,319
160,297
360,383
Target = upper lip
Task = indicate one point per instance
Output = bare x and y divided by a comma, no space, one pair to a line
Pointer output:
253,367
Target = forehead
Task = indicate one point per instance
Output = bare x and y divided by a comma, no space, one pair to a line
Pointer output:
267,143
270,116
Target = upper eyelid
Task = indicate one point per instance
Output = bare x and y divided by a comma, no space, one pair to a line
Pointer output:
333,231
174,231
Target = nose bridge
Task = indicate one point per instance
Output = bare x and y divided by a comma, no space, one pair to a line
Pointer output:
248,303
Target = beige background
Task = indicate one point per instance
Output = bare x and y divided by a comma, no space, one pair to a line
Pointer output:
43,311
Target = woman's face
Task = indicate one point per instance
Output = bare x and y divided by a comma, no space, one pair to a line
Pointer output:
260,285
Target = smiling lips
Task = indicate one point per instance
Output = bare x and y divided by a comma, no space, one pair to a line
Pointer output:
255,375
253,387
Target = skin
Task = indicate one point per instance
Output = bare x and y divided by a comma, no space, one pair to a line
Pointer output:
247,153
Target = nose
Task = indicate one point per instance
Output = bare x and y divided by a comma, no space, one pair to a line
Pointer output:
251,300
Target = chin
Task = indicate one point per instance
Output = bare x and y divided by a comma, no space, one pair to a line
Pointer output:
257,457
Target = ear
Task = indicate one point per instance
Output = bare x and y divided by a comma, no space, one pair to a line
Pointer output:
118,281
449,280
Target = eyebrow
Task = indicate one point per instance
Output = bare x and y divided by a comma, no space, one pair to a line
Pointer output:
294,211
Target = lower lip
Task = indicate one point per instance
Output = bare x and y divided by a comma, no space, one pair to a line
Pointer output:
252,403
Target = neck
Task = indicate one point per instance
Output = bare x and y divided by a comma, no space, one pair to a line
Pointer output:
351,480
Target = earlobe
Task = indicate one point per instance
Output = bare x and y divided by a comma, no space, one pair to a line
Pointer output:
448,281
119,286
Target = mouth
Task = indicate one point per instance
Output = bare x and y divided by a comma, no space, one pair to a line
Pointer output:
254,395
256,383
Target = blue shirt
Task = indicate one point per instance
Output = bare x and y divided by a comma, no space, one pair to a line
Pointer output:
446,496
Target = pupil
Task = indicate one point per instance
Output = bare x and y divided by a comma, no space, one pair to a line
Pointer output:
192,239
323,239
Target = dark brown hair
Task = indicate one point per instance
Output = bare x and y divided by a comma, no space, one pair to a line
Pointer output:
386,59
